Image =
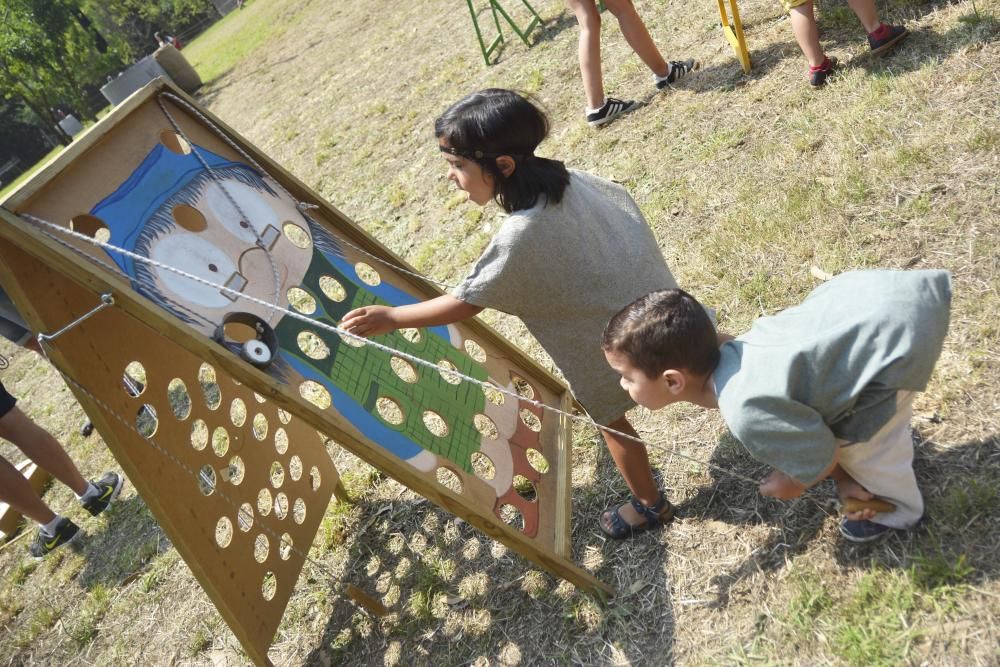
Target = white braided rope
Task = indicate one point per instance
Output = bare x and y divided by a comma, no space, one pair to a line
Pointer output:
379,346
229,197
241,515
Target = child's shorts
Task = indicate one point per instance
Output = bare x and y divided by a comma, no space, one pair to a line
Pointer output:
6,401
789,5
12,325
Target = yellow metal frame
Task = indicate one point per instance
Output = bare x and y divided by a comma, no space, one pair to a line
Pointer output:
733,30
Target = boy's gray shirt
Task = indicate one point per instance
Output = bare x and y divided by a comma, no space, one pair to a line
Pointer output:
565,269
830,367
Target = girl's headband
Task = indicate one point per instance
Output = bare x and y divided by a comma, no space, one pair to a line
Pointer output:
481,155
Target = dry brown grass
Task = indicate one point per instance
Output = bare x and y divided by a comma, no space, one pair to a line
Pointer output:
748,182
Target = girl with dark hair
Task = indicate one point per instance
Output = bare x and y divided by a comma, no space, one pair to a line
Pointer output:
574,250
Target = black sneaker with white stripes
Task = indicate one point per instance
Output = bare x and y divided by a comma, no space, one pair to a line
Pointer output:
612,107
678,70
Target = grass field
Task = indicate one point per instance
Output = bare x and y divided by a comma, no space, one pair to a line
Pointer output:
750,183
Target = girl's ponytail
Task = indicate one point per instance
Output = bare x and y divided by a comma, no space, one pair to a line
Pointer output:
494,122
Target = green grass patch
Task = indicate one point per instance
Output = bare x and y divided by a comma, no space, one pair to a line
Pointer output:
238,36
41,620
871,628
21,572
95,606
810,602
198,642
973,498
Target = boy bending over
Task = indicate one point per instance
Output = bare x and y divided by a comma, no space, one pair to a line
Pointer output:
823,389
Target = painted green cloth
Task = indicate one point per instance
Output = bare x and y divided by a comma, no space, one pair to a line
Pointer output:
364,374
831,367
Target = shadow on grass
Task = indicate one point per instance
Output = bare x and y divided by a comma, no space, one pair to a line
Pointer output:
212,90
120,543
957,538
451,595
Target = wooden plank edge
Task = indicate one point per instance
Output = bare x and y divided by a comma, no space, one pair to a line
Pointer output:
67,263
21,196
564,483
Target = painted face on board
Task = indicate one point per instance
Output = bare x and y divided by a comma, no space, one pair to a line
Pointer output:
211,240
653,393
470,177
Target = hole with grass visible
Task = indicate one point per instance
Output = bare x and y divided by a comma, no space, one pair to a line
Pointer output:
238,412
435,423
199,434
483,466
449,479
209,387
390,411
220,441
179,399
146,422
296,235
312,345
224,532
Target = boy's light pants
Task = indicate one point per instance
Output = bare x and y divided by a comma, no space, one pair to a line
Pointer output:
884,466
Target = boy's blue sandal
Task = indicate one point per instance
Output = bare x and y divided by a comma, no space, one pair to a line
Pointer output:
863,530
662,512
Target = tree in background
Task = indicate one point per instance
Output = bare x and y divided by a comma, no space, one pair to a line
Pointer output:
56,54
49,58
21,137
136,20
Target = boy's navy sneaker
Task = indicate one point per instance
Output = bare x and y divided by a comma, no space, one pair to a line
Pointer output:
678,70
863,530
612,107
64,533
108,488
886,37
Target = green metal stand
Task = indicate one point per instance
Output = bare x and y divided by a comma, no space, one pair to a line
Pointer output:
497,8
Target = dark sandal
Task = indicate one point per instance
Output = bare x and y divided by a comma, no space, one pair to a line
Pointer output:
662,512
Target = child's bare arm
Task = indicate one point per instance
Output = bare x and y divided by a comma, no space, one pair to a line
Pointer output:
781,486
377,320
784,487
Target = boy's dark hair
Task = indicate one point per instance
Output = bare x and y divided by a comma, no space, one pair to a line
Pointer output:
494,122
666,329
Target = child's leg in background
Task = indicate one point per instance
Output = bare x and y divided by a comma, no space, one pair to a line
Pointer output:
637,36
16,491
884,466
806,33
632,462
39,446
866,13
590,50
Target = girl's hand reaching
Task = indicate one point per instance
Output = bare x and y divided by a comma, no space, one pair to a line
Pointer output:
370,321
